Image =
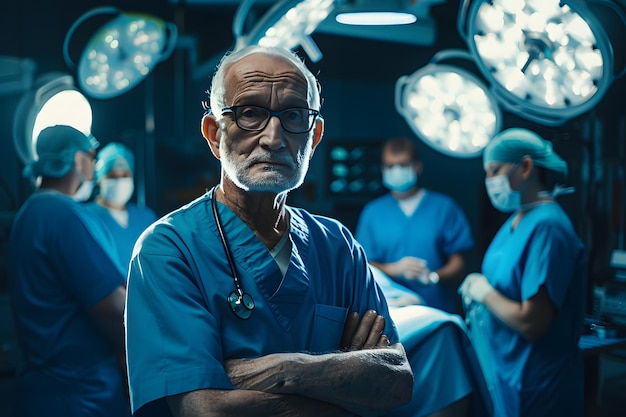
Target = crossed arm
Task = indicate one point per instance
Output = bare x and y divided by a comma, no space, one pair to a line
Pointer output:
368,377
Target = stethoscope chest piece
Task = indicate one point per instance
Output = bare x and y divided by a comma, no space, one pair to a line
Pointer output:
242,305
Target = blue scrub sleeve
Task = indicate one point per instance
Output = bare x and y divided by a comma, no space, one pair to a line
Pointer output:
364,233
548,263
89,271
165,307
457,233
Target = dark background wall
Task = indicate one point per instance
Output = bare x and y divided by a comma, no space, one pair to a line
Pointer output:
358,78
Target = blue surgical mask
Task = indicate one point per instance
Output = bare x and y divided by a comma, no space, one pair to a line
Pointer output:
399,178
501,195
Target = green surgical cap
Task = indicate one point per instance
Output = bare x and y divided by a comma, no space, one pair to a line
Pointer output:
511,145
114,156
56,147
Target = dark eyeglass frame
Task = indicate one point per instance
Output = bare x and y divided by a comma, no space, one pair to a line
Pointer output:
313,114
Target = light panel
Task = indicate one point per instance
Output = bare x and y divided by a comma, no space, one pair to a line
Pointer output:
448,107
288,24
53,100
547,60
122,52
376,18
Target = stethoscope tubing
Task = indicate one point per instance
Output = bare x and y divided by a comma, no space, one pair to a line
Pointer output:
239,301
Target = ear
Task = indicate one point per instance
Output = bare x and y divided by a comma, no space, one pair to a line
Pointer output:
211,130
318,132
419,167
527,167
83,165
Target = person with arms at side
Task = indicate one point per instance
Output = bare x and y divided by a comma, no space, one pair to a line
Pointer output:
526,308
416,236
114,173
67,289
240,304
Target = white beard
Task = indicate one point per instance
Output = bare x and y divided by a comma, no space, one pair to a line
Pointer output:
274,181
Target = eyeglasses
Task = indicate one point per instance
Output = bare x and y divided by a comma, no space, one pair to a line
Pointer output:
255,118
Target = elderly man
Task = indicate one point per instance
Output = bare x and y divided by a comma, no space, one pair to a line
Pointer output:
66,289
240,304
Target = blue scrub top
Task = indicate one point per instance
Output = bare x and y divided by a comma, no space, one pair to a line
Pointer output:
543,378
139,218
180,328
437,229
61,266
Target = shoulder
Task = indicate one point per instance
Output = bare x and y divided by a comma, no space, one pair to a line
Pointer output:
440,198
179,225
380,202
551,220
318,226
96,208
143,211
55,206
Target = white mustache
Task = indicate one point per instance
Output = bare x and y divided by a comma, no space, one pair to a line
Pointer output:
271,157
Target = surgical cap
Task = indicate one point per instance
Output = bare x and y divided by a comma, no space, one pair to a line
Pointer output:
511,145
114,156
56,147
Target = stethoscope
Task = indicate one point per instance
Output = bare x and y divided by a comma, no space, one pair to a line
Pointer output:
240,302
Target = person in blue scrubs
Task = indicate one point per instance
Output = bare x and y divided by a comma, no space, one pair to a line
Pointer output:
67,290
239,304
416,236
114,171
526,307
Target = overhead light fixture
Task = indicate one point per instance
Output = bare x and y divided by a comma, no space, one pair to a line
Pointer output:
289,23
547,60
398,21
376,18
53,100
447,107
121,53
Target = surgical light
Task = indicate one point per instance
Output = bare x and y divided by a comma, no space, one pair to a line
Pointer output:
547,60
121,53
288,24
53,100
447,107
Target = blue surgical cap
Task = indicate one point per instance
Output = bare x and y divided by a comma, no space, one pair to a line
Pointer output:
511,145
114,156
56,147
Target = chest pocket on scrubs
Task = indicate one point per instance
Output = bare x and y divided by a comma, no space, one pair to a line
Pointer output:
327,328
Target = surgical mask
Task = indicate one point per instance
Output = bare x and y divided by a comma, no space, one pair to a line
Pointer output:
84,190
501,195
117,191
399,178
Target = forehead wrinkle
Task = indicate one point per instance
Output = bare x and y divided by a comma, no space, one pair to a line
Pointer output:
269,76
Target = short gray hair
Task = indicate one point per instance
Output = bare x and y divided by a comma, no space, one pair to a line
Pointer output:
217,95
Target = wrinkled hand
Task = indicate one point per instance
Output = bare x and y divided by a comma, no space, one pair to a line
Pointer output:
475,287
364,333
411,268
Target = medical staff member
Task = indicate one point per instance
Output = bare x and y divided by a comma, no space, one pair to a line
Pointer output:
66,289
114,173
416,236
239,304
526,307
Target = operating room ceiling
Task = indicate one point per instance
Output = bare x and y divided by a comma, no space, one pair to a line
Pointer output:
378,54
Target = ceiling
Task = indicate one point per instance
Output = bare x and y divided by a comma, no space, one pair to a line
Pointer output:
370,53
